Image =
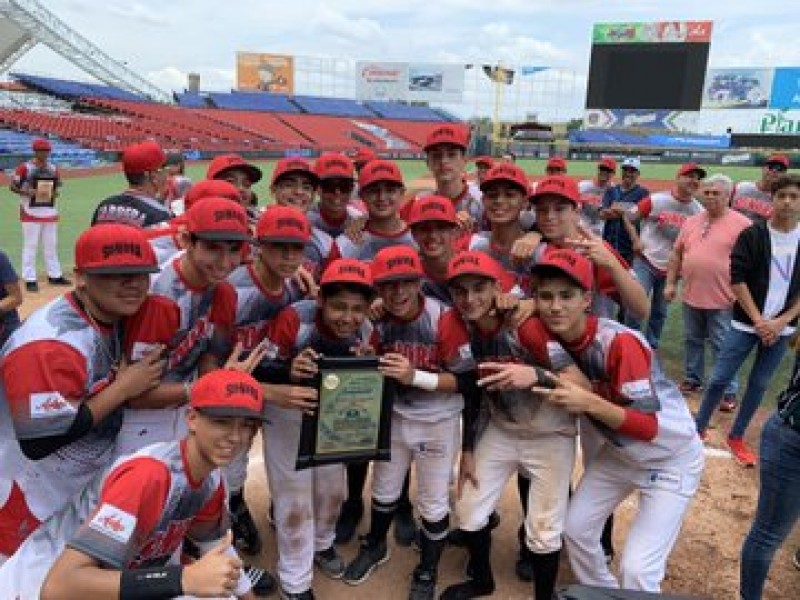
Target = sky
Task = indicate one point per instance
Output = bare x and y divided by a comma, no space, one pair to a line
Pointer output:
164,41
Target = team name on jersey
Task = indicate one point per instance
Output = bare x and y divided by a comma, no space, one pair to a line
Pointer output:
121,214
202,329
421,356
753,205
162,544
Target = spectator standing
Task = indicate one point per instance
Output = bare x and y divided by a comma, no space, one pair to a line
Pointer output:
37,182
754,198
592,193
701,260
765,277
616,201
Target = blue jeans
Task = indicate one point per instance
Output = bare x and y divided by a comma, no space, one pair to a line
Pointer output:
701,325
778,504
734,351
653,284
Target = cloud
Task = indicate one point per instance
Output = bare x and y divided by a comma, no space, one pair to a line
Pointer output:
355,30
136,11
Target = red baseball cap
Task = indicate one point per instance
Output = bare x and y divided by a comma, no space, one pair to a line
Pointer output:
556,162
142,158
780,159
572,264
229,162
41,144
293,164
228,393
379,170
559,185
690,168
114,249
487,161
363,155
334,166
347,270
474,262
218,219
608,163
432,208
210,188
450,133
507,172
283,224
396,263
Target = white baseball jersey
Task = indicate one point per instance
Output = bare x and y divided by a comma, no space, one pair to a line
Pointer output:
470,201
28,173
519,269
591,203
372,242
164,242
750,200
333,228
662,218
133,515
318,252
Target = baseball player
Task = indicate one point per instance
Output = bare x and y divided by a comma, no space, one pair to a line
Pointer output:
523,433
64,381
336,185
754,198
177,182
118,537
263,288
39,220
244,175
482,166
139,205
592,192
307,501
420,351
652,445
556,165
194,285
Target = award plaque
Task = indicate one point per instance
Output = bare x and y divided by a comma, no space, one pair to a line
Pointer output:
353,419
44,192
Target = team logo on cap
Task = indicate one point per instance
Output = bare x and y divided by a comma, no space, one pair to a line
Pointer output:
467,259
433,206
383,168
297,164
336,162
129,248
235,388
400,261
290,223
505,170
352,269
229,214
444,132
554,181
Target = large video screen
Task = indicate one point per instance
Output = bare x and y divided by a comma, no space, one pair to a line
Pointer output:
647,75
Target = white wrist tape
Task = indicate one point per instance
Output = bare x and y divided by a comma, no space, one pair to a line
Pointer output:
425,380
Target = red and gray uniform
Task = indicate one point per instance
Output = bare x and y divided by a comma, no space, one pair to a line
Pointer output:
591,203
333,227
255,308
424,424
306,502
661,457
317,252
523,433
373,241
134,208
470,201
434,287
662,218
164,242
50,365
205,324
520,269
27,173
753,202
134,515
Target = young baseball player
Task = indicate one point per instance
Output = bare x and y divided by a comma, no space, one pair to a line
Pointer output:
238,172
592,192
118,538
523,433
652,446
307,501
754,198
64,380
263,288
336,185
420,350
194,284
482,166
556,165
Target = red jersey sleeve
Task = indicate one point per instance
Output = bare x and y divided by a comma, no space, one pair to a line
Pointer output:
628,365
45,382
282,334
156,322
131,504
453,343
645,207
223,307
605,280
21,172
545,349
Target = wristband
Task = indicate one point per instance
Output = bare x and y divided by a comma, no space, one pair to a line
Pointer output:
425,380
160,583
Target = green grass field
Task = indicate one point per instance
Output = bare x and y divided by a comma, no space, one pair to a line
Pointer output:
80,196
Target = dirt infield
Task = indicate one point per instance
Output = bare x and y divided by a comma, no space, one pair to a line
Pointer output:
704,561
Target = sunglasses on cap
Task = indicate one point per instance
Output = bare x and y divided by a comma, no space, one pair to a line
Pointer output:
337,186
777,167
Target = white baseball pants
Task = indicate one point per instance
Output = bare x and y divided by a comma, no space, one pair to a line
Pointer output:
32,232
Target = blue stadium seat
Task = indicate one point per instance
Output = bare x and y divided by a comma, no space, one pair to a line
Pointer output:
258,101
337,107
396,110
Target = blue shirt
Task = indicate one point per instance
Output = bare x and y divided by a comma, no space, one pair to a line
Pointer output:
8,320
614,231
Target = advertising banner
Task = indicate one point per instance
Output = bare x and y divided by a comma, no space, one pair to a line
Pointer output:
617,118
780,122
265,72
652,33
409,82
785,88
737,88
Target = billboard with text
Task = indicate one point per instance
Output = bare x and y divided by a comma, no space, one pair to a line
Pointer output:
409,82
652,33
785,88
256,71
737,88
